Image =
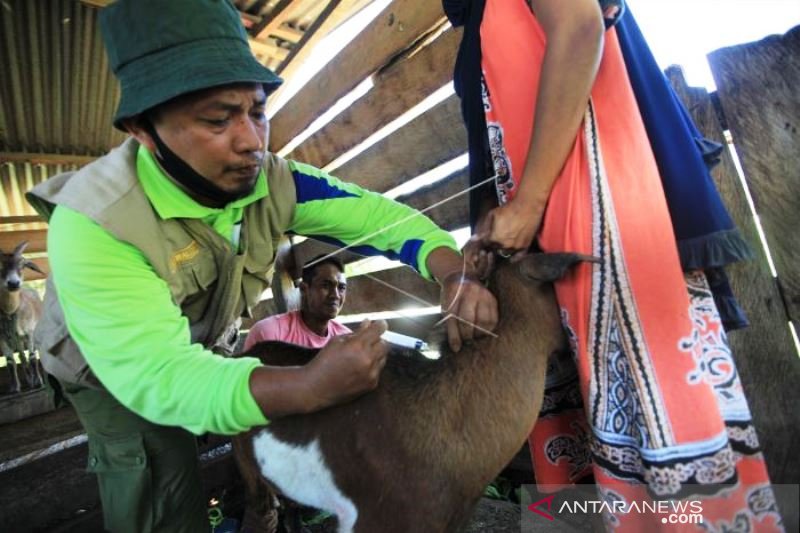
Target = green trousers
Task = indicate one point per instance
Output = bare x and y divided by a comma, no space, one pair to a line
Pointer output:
149,475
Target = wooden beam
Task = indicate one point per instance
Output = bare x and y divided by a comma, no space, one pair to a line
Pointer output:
429,140
37,240
45,159
757,87
310,33
396,90
765,356
310,248
394,30
312,36
287,33
453,214
279,14
24,219
366,295
268,49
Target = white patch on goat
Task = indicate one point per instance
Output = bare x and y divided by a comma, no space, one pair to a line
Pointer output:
301,474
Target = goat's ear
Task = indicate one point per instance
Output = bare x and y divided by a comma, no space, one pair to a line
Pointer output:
551,267
20,248
34,266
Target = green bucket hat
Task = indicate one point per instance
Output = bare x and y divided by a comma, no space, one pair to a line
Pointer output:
161,49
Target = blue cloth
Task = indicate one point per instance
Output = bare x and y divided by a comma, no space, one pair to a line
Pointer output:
704,231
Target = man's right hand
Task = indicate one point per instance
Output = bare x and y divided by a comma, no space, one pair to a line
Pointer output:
349,365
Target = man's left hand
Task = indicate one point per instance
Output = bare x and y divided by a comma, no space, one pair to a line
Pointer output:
473,307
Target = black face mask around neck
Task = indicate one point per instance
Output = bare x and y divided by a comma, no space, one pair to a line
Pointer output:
189,178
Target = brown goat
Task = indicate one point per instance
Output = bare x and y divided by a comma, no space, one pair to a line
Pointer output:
20,310
416,453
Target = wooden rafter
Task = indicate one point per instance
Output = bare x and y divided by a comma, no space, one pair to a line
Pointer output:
312,31
269,49
289,67
45,159
37,240
393,31
279,14
23,219
287,33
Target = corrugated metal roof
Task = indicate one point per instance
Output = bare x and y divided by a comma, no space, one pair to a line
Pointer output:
57,93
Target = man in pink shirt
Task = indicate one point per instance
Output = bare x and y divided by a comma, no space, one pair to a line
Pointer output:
322,294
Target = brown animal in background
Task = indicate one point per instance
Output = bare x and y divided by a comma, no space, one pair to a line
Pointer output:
20,310
416,453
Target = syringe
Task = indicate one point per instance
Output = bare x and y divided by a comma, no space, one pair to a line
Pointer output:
404,340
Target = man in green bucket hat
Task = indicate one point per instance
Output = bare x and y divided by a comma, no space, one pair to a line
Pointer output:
158,248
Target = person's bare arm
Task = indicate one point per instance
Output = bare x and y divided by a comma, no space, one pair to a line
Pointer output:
574,32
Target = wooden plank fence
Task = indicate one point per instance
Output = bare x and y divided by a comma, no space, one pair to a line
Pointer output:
765,354
758,91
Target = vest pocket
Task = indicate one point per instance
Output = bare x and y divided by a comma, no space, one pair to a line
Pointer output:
197,279
59,354
204,274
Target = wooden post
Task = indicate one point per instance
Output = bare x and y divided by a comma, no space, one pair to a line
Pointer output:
764,353
757,85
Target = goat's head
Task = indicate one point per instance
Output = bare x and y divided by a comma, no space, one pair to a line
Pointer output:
12,265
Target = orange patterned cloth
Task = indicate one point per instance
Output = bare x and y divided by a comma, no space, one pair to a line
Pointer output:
651,404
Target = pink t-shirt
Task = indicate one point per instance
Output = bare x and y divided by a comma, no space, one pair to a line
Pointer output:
289,327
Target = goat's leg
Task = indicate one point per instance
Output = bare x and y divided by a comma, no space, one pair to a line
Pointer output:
37,368
292,516
11,363
27,371
34,368
260,512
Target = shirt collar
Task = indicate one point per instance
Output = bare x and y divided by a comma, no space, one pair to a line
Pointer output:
170,201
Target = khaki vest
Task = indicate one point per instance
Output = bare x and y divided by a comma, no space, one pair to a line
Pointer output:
212,284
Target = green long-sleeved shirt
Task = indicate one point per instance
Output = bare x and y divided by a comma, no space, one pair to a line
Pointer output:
135,339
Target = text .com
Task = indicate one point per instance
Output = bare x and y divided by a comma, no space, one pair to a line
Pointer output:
670,512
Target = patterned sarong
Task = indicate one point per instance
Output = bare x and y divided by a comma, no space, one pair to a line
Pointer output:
651,404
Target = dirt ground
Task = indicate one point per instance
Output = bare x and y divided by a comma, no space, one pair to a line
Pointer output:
491,516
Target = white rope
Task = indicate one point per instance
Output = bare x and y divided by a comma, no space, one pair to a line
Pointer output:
448,314
401,221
